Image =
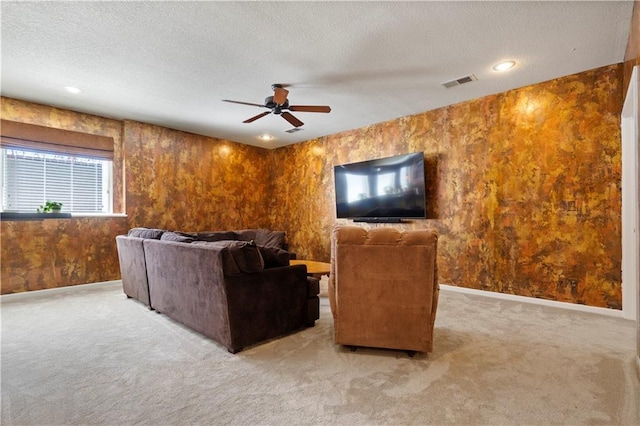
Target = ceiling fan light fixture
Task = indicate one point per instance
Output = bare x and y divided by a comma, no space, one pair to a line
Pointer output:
72,89
504,66
265,137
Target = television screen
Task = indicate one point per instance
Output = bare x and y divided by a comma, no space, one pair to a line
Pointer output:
390,187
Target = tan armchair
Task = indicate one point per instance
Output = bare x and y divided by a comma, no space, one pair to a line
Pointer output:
383,287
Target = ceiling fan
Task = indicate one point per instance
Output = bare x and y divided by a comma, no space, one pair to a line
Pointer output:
279,104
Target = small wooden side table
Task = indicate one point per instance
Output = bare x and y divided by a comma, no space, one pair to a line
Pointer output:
315,269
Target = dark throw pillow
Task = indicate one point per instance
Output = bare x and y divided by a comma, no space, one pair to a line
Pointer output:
274,257
245,254
179,237
147,233
252,257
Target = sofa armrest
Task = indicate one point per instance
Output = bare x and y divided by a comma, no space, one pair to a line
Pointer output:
133,270
266,304
313,300
187,284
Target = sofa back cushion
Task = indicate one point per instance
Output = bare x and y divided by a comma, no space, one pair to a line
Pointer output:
245,235
267,238
213,236
262,237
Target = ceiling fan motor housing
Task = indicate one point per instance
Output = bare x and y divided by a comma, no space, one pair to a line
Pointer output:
270,103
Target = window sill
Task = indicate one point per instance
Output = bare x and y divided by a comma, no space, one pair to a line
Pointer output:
15,216
106,215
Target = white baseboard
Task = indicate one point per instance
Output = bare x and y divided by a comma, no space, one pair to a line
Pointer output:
66,289
533,300
444,287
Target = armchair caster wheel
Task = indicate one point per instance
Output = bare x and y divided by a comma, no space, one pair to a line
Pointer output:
411,354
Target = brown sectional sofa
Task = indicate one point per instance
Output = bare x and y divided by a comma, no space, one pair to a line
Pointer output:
235,287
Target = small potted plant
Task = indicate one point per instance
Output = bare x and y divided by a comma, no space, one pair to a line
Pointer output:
50,207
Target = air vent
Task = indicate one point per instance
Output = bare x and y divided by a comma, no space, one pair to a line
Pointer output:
295,129
462,80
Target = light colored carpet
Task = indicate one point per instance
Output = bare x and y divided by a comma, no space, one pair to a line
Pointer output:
91,356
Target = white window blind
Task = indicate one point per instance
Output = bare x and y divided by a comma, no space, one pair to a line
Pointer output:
31,177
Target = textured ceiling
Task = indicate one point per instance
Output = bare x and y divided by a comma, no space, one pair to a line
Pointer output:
172,63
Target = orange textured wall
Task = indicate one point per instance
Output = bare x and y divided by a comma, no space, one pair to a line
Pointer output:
54,253
524,187
186,182
174,180
59,252
525,191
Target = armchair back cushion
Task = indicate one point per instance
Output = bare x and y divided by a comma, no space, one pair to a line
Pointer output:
383,287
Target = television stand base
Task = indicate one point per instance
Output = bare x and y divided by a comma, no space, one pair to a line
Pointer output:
379,220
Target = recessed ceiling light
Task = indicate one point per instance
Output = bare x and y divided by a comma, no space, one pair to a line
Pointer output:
504,66
266,137
72,89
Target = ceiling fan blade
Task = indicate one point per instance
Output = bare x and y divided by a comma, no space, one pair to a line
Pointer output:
310,108
291,119
280,95
254,118
242,103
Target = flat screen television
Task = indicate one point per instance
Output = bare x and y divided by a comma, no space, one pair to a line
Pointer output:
381,190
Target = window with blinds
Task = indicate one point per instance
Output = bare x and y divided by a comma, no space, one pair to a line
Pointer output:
81,184
40,164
